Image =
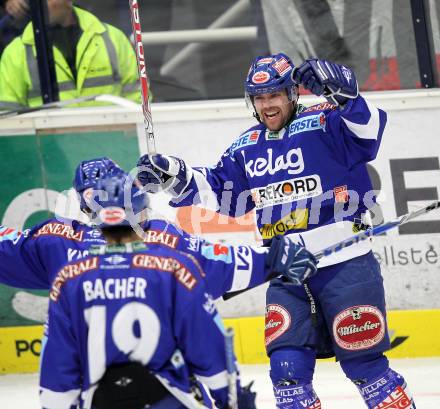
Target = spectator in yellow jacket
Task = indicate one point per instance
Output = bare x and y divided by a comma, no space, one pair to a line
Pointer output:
90,57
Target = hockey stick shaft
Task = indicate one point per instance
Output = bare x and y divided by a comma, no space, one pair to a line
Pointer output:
377,230
143,76
230,368
374,231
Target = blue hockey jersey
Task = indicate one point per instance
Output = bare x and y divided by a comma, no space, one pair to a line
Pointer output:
148,304
308,180
31,259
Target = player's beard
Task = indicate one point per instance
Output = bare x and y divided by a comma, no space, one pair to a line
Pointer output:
277,117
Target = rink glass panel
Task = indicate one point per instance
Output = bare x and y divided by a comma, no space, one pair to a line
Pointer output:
374,37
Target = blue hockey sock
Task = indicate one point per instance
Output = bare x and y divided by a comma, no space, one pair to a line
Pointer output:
291,371
296,397
387,391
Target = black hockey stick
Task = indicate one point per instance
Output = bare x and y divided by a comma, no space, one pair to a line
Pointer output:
364,235
377,230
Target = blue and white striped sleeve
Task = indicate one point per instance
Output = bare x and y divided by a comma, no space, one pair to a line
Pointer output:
357,130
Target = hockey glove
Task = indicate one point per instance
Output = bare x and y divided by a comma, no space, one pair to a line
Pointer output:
246,398
163,173
337,83
290,260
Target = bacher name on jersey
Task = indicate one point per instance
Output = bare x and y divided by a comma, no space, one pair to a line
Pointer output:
126,303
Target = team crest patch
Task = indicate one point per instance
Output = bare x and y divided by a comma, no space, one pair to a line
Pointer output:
278,321
397,399
249,138
112,215
307,123
282,66
260,77
216,252
267,60
359,327
6,233
274,135
320,107
341,194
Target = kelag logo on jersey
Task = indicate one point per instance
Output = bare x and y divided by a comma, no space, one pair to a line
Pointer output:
309,123
217,252
193,243
249,138
292,161
287,191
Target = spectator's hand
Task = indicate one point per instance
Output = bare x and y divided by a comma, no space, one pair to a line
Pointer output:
335,82
163,173
17,8
290,260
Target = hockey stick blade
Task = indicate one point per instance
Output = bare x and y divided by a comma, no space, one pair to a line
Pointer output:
374,231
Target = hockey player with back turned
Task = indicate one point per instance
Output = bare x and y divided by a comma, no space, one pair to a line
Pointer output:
131,324
304,172
31,259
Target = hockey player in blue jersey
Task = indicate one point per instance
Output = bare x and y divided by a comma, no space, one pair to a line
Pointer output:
31,259
303,170
130,324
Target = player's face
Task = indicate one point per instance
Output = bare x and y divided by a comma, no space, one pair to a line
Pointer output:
274,109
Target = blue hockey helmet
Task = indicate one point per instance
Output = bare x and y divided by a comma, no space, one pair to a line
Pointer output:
270,74
88,172
117,201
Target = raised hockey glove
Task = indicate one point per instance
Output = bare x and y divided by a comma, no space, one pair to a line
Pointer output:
337,83
290,260
163,173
